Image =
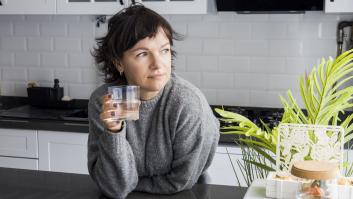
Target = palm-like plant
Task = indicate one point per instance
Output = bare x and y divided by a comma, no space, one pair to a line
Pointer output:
324,96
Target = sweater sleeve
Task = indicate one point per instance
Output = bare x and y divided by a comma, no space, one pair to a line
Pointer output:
194,145
111,162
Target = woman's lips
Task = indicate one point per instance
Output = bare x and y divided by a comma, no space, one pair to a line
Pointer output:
157,76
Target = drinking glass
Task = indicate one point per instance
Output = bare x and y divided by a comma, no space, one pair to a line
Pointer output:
126,100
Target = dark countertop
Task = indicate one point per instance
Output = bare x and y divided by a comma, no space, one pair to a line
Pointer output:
29,184
16,113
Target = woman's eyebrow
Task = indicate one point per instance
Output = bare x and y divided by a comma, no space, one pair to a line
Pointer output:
166,44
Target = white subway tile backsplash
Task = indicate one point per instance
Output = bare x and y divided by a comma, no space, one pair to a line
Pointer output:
66,18
218,47
68,75
285,48
251,81
211,95
40,75
319,48
268,31
14,74
318,16
26,29
185,18
81,60
88,44
81,30
179,63
286,17
203,29
13,43
234,64
6,28
252,48
250,18
39,44
90,76
27,59
193,77
55,59
67,44
233,97
236,30
202,63
268,65
299,65
328,30
81,91
6,59
53,29
217,80
235,59
283,82
38,18
219,17
189,46
304,30
265,98
179,27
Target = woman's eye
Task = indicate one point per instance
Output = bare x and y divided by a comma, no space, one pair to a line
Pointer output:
166,50
141,54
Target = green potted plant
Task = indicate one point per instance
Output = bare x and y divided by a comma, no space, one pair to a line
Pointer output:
325,96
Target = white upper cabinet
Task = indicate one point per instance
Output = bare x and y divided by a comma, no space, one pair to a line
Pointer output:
89,7
177,6
110,7
339,6
28,7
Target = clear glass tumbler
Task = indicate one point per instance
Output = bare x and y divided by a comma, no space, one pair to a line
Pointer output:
126,100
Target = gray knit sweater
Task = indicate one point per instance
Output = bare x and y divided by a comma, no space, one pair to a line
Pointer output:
164,152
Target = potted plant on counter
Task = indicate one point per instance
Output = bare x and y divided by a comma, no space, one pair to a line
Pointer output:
325,95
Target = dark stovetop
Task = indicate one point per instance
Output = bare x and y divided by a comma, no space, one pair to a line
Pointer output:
29,184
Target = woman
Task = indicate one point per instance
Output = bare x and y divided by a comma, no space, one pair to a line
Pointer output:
175,138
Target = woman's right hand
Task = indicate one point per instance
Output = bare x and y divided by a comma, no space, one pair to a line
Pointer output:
109,114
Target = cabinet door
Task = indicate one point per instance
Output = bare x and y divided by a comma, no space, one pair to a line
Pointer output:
28,6
63,151
338,6
19,163
18,143
177,6
102,7
239,176
221,171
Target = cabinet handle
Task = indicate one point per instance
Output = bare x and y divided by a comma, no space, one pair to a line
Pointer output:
121,2
14,120
0,3
75,124
332,0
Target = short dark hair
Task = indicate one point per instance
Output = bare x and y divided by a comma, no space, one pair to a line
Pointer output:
125,29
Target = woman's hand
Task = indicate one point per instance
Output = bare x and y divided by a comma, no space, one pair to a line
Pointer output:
109,114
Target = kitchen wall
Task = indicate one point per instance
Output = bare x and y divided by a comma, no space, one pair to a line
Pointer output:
243,60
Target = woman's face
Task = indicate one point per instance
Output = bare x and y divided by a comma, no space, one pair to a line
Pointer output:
148,64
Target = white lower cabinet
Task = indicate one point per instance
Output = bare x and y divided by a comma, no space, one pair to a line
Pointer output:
19,163
221,171
240,179
18,143
63,151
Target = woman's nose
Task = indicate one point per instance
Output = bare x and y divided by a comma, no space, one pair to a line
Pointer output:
156,61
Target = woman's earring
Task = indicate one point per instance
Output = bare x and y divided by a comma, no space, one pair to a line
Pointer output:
121,73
